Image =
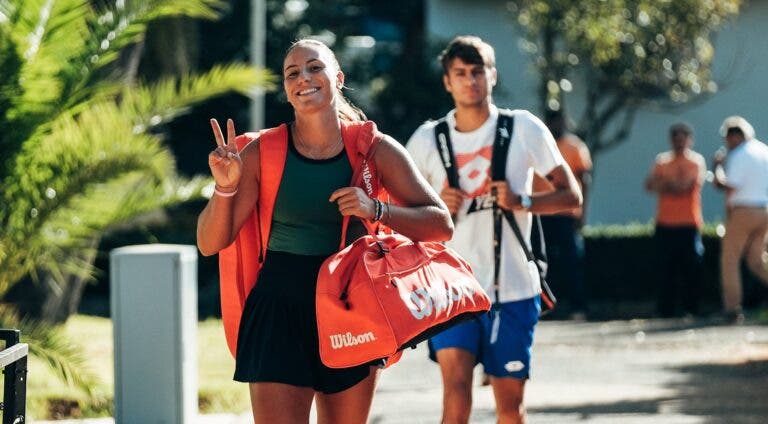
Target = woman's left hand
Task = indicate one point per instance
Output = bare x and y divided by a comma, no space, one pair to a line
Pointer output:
353,201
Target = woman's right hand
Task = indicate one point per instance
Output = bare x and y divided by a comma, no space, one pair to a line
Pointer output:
224,161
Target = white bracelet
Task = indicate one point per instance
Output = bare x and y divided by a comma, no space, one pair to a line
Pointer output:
224,193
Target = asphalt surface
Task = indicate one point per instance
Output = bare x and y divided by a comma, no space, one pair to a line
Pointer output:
628,372
650,371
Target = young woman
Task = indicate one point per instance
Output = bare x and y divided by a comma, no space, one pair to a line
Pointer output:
277,347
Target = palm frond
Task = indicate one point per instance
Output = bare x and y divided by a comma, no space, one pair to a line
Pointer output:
103,157
6,10
199,9
73,229
74,159
48,343
67,42
10,92
121,24
164,100
51,34
76,154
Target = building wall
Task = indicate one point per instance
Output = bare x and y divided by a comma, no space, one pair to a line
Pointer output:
741,61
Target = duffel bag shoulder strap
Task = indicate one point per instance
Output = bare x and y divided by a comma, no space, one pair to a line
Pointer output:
360,142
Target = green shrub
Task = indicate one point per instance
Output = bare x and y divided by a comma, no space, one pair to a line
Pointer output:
622,276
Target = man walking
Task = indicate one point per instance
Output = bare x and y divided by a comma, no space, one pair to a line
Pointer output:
676,177
743,174
501,340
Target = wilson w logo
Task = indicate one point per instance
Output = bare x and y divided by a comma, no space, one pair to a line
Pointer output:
425,301
367,177
345,340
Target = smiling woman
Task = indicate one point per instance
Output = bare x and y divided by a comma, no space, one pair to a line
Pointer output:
296,179
323,60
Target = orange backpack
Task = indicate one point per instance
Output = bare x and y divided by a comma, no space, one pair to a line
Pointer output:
240,262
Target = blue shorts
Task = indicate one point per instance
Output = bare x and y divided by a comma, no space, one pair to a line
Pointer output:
501,339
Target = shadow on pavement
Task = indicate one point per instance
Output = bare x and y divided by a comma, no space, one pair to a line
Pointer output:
714,393
732,393
651,407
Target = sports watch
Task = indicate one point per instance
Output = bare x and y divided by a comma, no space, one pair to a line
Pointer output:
525,201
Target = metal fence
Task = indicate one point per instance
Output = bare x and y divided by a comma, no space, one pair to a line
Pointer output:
13,361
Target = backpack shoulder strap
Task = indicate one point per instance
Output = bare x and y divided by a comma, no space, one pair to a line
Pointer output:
499,154
505,125
239,263
445,149
499,151
538,252
273,149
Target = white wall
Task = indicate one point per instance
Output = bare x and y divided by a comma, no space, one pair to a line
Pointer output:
618,195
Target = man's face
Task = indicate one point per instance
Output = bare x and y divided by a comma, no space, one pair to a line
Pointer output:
469,84
733,138
680,140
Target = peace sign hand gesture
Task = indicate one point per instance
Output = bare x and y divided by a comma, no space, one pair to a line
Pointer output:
225,163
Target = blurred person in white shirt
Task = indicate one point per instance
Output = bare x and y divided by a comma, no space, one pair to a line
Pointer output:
742,172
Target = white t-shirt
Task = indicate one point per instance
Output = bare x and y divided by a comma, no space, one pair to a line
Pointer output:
532,148
746,170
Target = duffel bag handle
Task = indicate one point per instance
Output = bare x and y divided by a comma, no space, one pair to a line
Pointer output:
357,181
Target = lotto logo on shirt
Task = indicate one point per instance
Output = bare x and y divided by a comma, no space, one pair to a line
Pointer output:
474,174
474,171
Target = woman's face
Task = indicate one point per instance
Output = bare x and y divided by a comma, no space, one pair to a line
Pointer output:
310,78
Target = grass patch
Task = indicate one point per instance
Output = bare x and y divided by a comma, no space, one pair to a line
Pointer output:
49,398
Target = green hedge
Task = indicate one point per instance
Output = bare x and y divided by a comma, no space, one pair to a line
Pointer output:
622,276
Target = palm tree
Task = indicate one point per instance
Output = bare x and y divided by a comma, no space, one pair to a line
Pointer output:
79,150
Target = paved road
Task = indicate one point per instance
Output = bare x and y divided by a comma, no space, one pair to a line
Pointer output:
651,371
628,372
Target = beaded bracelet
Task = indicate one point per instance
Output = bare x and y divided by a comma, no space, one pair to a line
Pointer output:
379,210
224,193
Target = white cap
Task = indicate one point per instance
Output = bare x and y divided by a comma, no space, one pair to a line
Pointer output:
740,123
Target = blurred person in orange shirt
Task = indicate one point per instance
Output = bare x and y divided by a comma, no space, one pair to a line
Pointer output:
562,231
677,177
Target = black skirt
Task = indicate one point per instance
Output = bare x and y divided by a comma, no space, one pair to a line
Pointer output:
277,340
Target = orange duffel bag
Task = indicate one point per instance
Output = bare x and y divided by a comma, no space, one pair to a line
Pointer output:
384,293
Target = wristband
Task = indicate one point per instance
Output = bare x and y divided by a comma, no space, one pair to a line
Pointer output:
224,193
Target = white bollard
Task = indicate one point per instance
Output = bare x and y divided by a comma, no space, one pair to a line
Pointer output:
154,313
